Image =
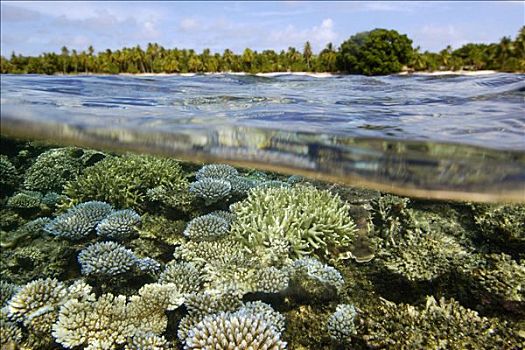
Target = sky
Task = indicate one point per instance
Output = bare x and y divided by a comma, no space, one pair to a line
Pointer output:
30,28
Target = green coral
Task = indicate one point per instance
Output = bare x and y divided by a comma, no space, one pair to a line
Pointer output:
8,174
309,220
504,224
25,200
422,256
496,277
443,324
53,168
125,180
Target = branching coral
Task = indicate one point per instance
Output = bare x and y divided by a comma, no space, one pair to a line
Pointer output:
184,275
442,324
496,276
36,304
124,181
79,221
120,224
206,228
7,290
341,325
147,340
216,171
106,259
310,220
53,168
423,256
25,200
211,190
238,330
8,174
101,323
312,275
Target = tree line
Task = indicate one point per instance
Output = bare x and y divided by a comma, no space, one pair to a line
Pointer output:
375,52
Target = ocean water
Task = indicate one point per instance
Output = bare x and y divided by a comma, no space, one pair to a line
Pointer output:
451,136
341,212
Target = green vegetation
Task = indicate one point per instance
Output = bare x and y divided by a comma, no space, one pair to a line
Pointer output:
376,52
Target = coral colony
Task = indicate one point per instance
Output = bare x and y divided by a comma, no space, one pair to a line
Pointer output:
103,251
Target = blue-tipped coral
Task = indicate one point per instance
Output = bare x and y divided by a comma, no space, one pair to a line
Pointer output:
106,259
119,224
79,221
341,324
206,228
211,190
216,171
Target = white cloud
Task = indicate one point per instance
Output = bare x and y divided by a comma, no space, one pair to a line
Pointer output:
318,35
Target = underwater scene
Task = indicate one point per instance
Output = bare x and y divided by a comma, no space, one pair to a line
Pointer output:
285,212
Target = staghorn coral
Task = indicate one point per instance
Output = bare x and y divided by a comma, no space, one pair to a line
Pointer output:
79,221
101,323
125,180
442,324
53,168
184,275
120,224
239,330
340,324
216,171
211,190
310,220
106,259
206,228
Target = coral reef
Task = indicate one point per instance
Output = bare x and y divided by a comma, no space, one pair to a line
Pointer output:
125,180
25,200
211,190
314,281
207,228
8,175
309,220
106,259
53,168
341,324
216,171
147,340
7,290
238,330
442,324
184,275
120,224
79,221
101,323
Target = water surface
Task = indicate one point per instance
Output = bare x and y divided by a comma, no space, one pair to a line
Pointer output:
452,137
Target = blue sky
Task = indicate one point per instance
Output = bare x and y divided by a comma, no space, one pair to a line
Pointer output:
35,27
